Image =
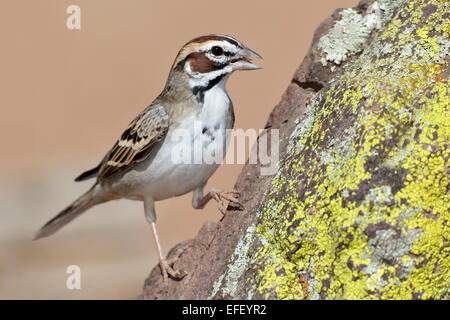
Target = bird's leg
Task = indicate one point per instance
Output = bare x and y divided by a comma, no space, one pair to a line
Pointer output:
223,198
166,266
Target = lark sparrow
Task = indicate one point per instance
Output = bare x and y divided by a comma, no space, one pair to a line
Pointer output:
140,165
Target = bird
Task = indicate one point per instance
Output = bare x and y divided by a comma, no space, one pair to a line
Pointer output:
143,164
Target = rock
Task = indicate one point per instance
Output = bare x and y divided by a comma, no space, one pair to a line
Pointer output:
359,208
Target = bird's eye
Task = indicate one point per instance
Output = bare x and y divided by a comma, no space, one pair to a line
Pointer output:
217,51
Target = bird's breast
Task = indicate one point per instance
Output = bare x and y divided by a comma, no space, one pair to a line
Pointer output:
191,152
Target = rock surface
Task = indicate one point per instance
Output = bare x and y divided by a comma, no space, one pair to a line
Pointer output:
359,207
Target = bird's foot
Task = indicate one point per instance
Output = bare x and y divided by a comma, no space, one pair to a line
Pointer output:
225,199
167,270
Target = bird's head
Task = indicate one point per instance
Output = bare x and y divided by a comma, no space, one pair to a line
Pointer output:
208,59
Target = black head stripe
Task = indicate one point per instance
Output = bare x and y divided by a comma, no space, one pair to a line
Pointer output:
234,42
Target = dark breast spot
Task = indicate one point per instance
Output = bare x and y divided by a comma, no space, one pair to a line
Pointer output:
207,133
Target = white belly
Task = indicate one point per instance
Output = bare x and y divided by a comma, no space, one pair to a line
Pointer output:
189,155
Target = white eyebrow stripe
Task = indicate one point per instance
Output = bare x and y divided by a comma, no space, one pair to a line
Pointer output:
226,46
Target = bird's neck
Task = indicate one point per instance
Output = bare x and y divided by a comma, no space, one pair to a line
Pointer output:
181,86
217,83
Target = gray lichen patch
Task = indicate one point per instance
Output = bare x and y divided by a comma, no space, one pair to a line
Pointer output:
352,31
389,248
380,196
347,37
387,7
229,281
304,125
339,147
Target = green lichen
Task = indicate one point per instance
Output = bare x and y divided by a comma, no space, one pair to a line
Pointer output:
360,207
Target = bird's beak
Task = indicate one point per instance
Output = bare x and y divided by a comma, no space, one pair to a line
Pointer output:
243,61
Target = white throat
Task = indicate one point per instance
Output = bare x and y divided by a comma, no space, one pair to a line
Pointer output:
216,102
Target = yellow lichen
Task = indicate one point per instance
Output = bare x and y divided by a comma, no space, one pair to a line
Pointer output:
325,231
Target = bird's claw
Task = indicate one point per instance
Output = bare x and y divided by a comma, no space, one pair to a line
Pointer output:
226,198
167,269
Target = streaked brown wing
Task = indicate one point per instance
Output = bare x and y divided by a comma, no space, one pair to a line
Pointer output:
138,140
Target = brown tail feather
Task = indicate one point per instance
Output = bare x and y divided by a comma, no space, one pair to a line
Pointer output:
88,174
80,205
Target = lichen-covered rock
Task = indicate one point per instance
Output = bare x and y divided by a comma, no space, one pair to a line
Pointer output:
359,208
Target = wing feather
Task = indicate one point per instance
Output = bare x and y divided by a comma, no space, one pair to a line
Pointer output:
137,141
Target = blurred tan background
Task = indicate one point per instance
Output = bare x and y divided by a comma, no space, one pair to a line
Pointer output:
66,95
